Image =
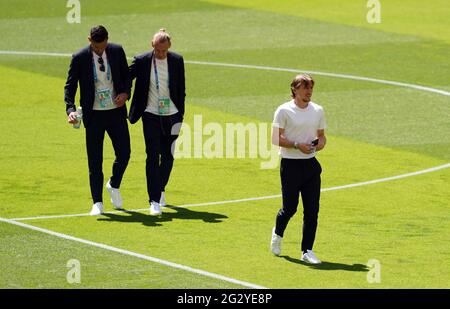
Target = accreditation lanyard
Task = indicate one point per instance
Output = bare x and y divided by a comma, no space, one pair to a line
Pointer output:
156,74
108,71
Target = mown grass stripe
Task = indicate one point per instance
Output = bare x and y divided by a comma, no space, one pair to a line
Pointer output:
257,67
358,184
134,254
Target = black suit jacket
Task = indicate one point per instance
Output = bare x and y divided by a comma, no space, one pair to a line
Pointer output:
81,71
140,70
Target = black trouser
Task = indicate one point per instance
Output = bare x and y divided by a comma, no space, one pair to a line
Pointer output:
160,133
300,176
115,123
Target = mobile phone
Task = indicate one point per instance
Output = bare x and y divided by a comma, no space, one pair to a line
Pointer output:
315,142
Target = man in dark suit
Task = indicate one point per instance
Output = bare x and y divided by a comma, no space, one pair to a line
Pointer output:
101,69
159,100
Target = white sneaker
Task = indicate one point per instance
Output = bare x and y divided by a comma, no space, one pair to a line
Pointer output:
97,209
162,200
310,257
155,209
275,244
116,198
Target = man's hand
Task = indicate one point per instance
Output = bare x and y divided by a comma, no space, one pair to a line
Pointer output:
72,118
121,99
305,148
321,145
322,140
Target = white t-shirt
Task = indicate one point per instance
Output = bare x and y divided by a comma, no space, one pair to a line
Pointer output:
164,92
300,125
103,85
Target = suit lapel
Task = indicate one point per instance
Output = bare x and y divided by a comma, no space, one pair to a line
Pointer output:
90,63
149,64
170,68
148,69
111,63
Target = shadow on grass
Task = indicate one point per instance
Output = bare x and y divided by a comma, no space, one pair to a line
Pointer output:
148,220
329,265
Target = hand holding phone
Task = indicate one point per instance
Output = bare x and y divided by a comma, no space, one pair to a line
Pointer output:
313,145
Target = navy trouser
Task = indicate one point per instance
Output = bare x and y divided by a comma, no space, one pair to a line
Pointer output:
160,133
113,122
300,176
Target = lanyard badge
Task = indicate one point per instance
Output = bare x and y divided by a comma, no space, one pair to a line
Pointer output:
163,102
104,96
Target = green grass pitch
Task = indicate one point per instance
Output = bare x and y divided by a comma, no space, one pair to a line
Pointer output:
375,131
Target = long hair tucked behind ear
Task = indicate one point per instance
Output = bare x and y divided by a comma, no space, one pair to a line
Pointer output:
299,80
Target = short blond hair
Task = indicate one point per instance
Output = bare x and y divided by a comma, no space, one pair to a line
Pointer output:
299,80
161,36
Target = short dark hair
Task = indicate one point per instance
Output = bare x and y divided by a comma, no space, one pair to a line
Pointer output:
99,34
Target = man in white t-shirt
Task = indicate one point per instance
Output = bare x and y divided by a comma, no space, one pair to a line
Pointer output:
299,129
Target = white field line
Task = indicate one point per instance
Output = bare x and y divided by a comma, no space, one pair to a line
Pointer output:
257,67
134,254
30,53
428,170
354,77
187,268
358,184
346,76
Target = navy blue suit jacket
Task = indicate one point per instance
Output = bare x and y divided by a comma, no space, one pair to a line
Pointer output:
82,71
140,70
